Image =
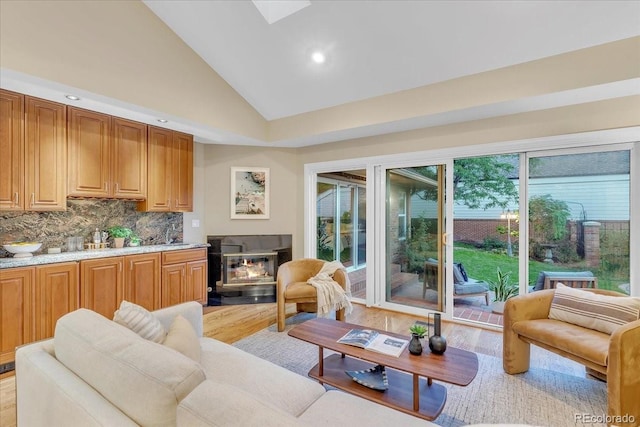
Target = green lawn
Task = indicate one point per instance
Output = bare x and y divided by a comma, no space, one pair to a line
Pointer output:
482,265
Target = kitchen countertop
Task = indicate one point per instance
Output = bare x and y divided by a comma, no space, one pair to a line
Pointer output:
94,253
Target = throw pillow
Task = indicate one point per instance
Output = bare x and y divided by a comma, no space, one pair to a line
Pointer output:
181,337
604,313
140,320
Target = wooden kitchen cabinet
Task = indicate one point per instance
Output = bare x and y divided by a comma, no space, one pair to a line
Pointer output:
45,155
12,149
33,168
107,156
184,276
142,280
102,285
170,172
56,294
16,311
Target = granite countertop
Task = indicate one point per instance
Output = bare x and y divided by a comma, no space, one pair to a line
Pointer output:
94,253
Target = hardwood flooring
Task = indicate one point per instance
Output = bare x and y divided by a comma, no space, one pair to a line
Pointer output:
232,323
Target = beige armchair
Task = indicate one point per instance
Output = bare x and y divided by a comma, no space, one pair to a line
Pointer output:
611,357
292,287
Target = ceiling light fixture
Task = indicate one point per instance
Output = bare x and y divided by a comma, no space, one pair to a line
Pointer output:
72,97
163,120
318,57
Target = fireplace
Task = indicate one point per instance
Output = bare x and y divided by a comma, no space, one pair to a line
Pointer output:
247,268
243,269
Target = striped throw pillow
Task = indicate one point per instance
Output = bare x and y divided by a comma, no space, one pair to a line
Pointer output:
604,313
140,320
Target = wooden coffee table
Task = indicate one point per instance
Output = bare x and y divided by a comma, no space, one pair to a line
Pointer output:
411,387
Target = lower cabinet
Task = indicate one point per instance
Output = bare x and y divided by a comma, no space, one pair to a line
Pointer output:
184,276
105,282
142,280
56,294
16,311
102,285
32,299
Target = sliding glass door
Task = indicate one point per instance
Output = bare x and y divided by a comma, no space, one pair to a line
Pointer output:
414,224
341,219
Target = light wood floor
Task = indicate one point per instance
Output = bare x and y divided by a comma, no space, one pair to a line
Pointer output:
232,323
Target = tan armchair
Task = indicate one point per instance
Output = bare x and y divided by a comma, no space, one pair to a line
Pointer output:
292,287
611,357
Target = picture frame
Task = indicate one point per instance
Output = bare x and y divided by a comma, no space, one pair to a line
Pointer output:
250,192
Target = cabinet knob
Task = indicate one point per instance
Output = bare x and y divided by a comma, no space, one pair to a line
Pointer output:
17,199
33,198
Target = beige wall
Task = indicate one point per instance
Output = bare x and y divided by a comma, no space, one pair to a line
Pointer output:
121,50
287,166
285,190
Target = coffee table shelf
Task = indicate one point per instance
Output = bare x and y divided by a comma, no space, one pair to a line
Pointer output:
411,387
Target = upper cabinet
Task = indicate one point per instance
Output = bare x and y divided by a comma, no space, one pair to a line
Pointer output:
33,174
12,149
107,156
170,173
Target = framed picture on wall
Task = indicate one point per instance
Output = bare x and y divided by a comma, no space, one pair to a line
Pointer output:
249,193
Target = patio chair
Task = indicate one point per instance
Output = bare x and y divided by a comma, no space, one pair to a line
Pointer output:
463,286
573,279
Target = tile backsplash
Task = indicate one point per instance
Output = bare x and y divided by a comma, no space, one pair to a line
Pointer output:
81,218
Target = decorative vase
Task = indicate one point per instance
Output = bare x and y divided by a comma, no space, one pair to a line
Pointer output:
437,343
415,346
118,242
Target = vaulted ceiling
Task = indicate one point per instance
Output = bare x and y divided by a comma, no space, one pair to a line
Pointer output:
220,70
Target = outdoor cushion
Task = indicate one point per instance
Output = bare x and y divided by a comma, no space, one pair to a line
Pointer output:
470,288
564,274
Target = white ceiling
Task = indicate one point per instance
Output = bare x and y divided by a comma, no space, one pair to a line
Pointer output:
378,47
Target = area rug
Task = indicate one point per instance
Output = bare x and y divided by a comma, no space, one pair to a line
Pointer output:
539,397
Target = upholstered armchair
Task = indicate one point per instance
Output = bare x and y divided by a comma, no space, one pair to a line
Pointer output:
292,287
614,358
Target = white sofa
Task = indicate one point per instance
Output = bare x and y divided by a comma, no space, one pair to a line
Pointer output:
95,372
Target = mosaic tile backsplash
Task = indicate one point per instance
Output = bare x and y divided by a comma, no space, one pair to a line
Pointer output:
81,218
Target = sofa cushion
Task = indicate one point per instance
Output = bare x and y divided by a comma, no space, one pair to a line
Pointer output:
139,320
145,380
334,406
604,313
268,382
181,337
568,338
219,404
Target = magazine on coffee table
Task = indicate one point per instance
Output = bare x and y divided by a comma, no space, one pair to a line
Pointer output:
374,341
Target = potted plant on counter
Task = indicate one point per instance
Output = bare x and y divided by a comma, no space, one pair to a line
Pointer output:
119,233
134,240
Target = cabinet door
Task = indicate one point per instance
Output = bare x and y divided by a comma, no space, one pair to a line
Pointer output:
45,155
89,154
182,191
57,294
12,149
173,283
196,286
142,280
129,157
101,285
159,171
16,310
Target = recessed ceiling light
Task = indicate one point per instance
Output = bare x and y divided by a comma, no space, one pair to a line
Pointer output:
318,57
72,97
163,120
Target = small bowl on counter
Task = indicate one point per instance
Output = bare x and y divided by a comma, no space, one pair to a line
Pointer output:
22,249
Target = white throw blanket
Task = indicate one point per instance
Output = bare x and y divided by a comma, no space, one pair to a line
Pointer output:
331,296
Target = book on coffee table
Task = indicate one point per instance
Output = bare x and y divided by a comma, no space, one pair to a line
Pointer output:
374,341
